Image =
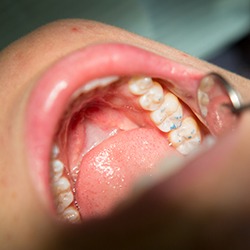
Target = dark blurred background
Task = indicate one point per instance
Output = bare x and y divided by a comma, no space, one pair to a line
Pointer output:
214,30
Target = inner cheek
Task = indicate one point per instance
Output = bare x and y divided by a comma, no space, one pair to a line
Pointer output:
107,139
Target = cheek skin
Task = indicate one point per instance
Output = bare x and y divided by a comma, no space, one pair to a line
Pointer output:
21,215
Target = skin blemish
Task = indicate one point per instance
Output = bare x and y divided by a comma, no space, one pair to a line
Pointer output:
184,55
75,29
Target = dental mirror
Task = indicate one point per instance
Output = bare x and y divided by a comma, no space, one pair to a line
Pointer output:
219,104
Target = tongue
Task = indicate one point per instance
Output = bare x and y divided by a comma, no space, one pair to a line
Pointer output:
109,170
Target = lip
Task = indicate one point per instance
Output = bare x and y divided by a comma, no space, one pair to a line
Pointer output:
54,89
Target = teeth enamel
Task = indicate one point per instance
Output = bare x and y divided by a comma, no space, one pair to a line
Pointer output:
64,200
203,100
187,137
62,191
153,98
61,185
57,168
140,85
55,151
101,82
169,115
71,214
206,84
172,122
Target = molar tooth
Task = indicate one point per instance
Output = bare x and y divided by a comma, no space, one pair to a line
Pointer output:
169,115
64,200
168,107
206,84
173,121
71,214
203,100
205,87
140,85
153,98
61,185
187,137
57,168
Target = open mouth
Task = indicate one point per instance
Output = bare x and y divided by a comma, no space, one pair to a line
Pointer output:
104,116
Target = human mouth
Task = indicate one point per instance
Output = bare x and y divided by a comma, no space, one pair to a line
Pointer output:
103,116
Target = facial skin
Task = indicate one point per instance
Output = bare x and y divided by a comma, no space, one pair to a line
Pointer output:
205,193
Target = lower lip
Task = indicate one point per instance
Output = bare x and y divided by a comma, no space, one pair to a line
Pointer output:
53,91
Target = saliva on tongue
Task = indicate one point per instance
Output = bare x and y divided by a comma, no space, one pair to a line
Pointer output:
109,170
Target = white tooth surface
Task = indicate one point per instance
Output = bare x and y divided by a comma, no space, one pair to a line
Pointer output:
168,107
101,82
153,98
140,85
64,200
206,84
55,151
203,100
205,87
57,168
71,214
61,185
173,121
187,137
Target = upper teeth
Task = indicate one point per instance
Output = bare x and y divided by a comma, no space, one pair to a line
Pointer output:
203,94
153,98
169,115
186,138
166,113
140,85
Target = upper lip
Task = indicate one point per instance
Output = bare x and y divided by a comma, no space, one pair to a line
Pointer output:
54,89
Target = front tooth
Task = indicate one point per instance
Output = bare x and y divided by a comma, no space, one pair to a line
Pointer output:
64,200
169,115
71,214
101,82
187,137
140,85
153,98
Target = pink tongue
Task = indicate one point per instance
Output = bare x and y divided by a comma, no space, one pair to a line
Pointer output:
109,170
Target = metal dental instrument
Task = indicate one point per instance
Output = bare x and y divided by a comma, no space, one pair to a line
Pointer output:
219,103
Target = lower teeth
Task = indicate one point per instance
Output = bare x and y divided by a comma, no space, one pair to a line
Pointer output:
71,214
61,187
